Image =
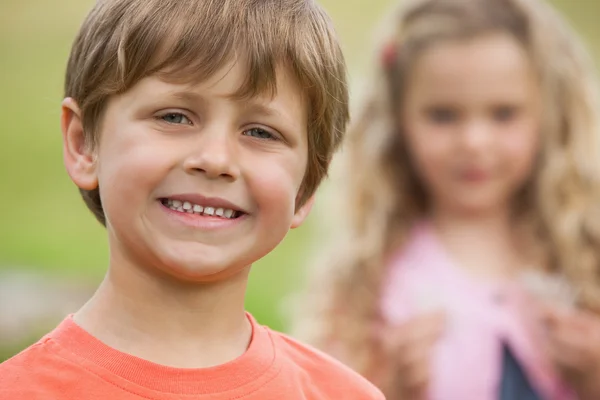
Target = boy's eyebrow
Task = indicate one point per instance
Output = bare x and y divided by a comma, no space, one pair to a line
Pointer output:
266,111
263,110
187,96
250,106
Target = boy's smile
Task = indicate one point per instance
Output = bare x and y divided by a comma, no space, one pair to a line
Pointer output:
195,181
211,207
203,212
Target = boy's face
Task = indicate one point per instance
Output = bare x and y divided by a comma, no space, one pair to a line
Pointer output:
193,181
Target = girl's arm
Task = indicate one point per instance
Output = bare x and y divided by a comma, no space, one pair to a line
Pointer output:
405,351
573,342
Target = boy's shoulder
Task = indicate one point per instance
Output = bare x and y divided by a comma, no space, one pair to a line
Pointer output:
27,374
49,371
326,376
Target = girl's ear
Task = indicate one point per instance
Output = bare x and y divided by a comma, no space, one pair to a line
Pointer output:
78,156
302,212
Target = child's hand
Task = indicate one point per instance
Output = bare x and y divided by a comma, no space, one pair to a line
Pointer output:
407,352
573,343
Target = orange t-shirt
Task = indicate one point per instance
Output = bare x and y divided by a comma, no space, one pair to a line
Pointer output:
69,363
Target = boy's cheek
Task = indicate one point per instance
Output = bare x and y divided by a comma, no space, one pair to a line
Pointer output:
275,187
126,183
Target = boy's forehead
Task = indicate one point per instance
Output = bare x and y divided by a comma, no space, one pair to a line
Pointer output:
228,82
287,102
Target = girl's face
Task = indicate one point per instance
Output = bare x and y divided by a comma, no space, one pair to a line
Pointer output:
472,121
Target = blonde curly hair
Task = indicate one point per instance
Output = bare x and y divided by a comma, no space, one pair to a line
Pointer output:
559,208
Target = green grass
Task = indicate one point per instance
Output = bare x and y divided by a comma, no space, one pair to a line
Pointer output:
44,224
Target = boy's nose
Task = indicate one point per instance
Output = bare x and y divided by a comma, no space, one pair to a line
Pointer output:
214,156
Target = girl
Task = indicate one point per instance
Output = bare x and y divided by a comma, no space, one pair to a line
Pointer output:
472,160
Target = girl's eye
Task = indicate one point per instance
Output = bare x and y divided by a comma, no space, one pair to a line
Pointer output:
504,113
175,118
259,134
442,115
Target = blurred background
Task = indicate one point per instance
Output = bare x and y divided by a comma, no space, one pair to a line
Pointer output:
53,253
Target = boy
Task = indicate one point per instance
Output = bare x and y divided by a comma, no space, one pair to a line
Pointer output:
197,132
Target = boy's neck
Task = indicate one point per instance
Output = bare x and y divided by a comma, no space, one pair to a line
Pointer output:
167,322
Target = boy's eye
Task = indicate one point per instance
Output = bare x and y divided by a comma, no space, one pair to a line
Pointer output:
259,134
442,115
176,118
504,113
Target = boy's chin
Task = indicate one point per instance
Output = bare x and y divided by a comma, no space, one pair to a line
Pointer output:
206,267
196,271
204,263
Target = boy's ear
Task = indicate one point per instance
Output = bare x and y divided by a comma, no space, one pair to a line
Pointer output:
78,156
302,212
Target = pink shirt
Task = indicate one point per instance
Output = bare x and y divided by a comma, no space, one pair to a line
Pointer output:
482,316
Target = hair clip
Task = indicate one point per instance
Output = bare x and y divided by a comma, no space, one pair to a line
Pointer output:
389,54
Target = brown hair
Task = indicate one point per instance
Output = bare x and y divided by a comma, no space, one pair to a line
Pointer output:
560,205
123,41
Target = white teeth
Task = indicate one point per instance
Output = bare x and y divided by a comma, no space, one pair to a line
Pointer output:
187,207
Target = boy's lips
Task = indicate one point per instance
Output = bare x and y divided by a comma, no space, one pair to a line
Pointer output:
206,202
206,213
211,207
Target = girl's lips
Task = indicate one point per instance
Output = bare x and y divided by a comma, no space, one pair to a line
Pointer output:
474,175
